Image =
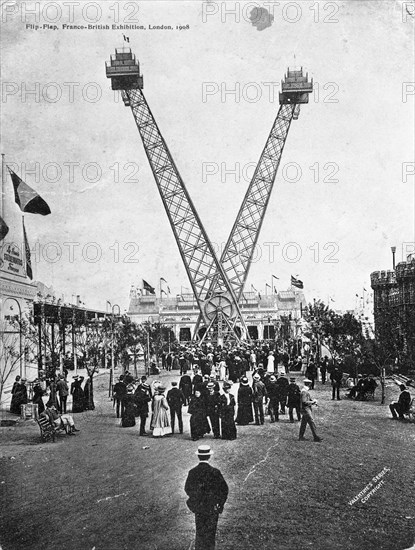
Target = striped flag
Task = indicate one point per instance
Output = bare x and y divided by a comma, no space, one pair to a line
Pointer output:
26,198
296,282
148,287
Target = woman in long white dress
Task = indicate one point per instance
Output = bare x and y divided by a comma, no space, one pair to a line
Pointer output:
160,423
270,363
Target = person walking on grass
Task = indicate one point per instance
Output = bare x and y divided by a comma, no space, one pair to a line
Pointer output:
306,412
207,491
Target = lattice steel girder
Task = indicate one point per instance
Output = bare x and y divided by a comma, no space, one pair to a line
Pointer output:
237,255
195,248
245,231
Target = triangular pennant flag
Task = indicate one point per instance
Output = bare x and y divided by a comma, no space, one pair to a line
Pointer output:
29,271
26,198
4,228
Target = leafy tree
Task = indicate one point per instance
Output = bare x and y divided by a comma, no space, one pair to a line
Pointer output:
341,334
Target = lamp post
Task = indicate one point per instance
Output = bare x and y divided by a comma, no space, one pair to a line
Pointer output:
393,248
113,307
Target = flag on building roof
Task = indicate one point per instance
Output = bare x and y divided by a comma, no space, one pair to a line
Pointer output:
4,228
148,287
29,271
27,198
163,279
275,277
296,282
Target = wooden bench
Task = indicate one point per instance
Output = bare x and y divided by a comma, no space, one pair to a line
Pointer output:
47,430
410,413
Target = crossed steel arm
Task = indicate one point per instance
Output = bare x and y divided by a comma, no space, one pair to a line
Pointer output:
237,255
214,282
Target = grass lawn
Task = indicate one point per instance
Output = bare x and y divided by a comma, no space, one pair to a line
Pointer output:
105,490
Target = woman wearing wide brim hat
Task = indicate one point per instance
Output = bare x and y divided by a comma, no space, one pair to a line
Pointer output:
227,413
160,423
129,408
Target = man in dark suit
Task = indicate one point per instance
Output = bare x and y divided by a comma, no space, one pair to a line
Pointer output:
403,403
176,400
186,386
207,491
336,380
142,398
119,392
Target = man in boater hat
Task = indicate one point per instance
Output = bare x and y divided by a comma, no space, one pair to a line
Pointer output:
207,491
306,403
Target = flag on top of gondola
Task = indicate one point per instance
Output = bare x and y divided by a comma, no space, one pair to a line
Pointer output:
4,228
296,282
148,287
27,198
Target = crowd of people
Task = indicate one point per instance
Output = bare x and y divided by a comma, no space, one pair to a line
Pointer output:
205,387
206,392
55,390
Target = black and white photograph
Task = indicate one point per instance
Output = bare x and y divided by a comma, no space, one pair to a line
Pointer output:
207,275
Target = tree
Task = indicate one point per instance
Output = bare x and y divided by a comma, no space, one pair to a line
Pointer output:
160,336
131,341
341,334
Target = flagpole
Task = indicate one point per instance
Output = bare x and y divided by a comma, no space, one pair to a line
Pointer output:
3,165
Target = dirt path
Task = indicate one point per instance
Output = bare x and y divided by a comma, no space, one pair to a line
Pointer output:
104,489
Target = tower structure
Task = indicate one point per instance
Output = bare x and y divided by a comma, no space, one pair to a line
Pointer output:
217,285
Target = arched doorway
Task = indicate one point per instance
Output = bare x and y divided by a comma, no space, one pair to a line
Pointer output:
184,334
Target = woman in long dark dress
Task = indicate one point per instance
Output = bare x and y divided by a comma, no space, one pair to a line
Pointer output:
77,394
13,404
199,425
19,396
245,395
227,413
128,413
89,395
37,397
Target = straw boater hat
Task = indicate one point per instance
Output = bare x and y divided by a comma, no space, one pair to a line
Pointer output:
256,377
307,381
204,450
161,388
227,385
244,381
292,379
210,386
272,378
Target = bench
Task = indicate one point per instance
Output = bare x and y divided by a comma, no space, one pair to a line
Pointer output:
47,430
410,413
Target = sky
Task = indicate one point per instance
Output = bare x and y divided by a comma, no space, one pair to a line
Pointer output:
344,192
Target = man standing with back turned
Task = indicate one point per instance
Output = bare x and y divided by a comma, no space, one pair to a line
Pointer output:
207,491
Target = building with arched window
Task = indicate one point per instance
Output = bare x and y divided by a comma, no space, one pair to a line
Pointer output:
262,314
